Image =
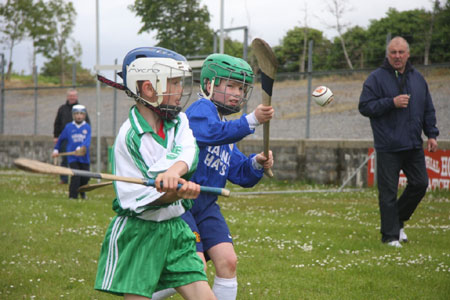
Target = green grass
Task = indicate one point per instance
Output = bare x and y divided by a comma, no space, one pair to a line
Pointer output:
290,246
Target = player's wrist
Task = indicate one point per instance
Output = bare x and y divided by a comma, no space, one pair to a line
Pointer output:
252,120
255,164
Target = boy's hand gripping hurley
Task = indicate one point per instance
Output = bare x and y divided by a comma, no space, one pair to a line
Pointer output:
78,152
268,65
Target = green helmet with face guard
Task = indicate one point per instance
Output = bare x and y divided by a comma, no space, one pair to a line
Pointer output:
217,67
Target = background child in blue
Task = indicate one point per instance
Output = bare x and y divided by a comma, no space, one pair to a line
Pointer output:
226,84
77,134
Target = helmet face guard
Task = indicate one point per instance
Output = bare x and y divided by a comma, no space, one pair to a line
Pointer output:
159,66
219,68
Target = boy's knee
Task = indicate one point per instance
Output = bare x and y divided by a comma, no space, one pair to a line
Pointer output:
231,263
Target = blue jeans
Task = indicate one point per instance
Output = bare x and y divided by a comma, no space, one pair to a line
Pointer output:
394,212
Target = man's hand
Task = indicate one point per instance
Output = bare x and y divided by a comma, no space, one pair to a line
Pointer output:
432,145
264,113
267,163
401,101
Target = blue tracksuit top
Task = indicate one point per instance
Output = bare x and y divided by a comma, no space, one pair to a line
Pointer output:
219,158
398,129
76,136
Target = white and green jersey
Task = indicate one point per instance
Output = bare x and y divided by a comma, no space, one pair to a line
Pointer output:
140,152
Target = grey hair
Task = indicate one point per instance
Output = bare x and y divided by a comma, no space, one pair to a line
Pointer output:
394,39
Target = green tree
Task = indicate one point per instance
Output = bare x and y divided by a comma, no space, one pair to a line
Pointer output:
52,68
12,17
338,8
62,22
440,43
289,52
356,41
411,24
38,27
181,25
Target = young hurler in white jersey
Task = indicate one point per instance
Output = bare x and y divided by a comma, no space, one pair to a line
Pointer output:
147,246
226,83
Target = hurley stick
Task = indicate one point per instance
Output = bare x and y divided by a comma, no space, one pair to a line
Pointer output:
79,152
93,186
268,65
40,167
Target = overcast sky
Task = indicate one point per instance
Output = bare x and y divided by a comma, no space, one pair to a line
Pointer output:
266,19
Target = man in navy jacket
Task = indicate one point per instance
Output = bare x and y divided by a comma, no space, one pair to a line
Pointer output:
396,99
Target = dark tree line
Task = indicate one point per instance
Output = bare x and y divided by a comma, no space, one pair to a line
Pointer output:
182,25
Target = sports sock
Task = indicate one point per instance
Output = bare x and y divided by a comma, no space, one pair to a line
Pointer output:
163,294
225,288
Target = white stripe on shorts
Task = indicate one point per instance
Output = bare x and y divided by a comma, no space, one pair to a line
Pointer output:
113,252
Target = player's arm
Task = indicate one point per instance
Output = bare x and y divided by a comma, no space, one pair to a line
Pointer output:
187,149
61,138
372,102
261,114
209,130
244,171
87,140
57,126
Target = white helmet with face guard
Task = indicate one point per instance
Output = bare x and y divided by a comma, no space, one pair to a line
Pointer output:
157,65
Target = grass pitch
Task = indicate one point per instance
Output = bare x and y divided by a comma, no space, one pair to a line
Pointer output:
290,246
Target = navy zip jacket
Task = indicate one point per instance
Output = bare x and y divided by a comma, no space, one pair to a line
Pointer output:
398,129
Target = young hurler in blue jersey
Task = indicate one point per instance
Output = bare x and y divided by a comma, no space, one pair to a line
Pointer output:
226,84
77,134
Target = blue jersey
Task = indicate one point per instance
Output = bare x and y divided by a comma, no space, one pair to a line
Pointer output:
76,136
219,158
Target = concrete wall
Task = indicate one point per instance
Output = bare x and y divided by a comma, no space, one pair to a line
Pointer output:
312,160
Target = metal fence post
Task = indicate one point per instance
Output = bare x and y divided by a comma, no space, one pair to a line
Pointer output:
74,75
308,109
35,79
2,94
115,102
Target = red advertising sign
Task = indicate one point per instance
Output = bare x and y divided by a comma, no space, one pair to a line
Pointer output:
438,169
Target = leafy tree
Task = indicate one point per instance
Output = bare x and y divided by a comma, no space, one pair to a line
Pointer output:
440,44
338,8
12,17
289,53
233,48
38,27
52,68
62,22
409,24
181,25
429,35
356,41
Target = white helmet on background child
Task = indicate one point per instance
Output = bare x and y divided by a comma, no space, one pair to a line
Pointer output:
78,108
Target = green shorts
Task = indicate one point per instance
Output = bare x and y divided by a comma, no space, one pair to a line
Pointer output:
141,257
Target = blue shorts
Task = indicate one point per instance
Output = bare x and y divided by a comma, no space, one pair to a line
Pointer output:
209,227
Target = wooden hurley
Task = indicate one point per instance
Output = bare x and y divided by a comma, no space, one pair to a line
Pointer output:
79,152
44,168
93,186
268,65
